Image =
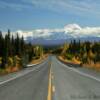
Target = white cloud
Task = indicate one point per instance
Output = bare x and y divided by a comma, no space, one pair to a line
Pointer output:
69,31
84,7
77,31
73,6
24,34
41,33
71,28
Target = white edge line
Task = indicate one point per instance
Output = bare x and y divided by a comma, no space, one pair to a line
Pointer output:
29,65
79,72
20,75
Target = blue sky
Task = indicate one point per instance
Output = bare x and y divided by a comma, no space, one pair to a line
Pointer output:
34,14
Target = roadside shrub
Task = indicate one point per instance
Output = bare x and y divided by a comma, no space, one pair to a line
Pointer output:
0,60
69,56
84,60
10,61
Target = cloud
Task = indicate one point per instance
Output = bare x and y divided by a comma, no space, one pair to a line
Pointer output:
14,6
69,31
65,6
72,6
38,33
22,33
77,31
77,7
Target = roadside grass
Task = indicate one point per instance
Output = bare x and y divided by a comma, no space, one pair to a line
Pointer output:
69,56
71,60
2,71
38,59
93,66
10,69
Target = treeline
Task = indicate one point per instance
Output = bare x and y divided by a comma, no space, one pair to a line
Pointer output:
14,51
86,52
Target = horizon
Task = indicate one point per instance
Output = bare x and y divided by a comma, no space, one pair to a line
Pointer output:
70,31
50,20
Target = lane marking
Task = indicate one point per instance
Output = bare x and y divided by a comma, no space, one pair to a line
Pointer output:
52,77
21,75
49,97
79,72
50,63
53,89
29,65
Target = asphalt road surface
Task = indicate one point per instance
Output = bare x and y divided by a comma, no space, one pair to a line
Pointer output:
31,84
73,84
67,83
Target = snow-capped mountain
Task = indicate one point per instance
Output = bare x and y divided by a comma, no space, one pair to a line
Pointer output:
70,31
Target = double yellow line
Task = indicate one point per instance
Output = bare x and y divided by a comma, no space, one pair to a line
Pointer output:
49,97
51,89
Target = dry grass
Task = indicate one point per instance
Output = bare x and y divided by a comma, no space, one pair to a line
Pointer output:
93,66
11,69
75,61
39,60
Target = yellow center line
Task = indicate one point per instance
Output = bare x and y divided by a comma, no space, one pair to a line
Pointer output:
53,89
49,97
52,77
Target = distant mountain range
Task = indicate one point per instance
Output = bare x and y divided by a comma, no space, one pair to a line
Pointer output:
59,36
46,42
41,41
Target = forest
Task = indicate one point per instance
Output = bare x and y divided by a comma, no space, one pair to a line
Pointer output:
15,52
82,52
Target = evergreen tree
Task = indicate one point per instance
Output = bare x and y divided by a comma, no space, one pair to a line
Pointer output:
1,44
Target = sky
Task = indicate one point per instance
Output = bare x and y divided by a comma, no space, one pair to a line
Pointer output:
48,14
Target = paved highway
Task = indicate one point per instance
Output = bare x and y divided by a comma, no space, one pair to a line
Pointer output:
73,84
30,84
59,81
